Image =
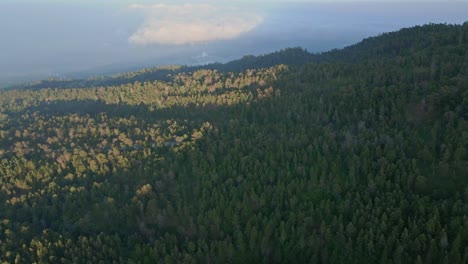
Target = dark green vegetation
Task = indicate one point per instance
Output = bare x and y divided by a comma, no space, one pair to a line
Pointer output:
359,156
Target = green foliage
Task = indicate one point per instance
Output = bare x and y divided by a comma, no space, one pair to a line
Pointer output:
361,158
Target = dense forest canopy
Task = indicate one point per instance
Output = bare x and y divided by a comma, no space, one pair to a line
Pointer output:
356,155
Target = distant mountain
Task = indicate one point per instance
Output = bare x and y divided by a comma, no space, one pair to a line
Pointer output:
388,45
289,56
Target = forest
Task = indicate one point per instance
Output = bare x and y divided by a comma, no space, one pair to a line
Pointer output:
356,155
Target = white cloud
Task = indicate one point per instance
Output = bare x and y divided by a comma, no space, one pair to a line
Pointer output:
191,23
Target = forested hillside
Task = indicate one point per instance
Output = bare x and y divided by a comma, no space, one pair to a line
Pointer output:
352,156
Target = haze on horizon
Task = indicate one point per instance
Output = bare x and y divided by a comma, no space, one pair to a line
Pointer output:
53,38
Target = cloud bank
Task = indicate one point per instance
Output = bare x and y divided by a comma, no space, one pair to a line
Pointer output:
191,23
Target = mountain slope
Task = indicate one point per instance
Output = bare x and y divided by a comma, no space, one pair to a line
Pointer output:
358,159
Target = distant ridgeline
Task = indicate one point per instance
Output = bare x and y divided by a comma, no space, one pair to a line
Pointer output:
358,155
386,46
289,56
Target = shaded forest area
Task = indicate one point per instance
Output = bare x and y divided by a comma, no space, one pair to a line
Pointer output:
356,155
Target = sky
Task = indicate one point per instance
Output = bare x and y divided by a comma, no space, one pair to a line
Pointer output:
59,38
